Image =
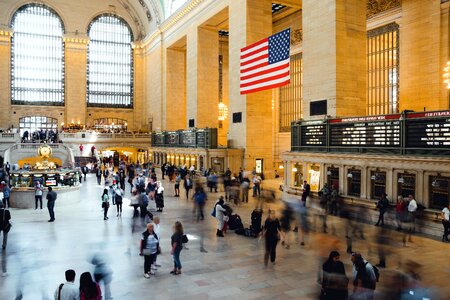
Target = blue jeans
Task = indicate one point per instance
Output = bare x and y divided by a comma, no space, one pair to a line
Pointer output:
176,259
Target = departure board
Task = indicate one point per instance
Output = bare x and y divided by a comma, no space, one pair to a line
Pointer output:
313,133
428,130
187,138
172,138
367,134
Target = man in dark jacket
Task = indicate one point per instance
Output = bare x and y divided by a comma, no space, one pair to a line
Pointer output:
382,206
5,216
51,198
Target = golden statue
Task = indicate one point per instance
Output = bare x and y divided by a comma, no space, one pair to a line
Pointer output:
45,151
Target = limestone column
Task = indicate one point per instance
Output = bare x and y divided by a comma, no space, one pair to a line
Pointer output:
75,68
202,91
175,89
139,99
334,56
5,82
250,21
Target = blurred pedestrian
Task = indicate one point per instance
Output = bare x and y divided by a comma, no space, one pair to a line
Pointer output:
38,191
334,280
287,216
271,234
400,209
5,224
364,278
446,222
6,194
187,185
220,216
199,202
102,273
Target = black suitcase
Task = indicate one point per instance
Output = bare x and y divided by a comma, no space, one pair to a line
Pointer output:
256,220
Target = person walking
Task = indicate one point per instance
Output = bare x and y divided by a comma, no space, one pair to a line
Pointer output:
99,175
5,224
400,209
51,198
364,278
89,289
177,184
245,186
382,205
38,191
271,233
157,230
84,170
220,216
446,223
102,273
334,279
199,202
149,248
176,242
187,185
119,200
412,210
256,186
105,204
6,194
68,290
285,221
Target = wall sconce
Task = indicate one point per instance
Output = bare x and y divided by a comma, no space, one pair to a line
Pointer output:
62,123
281,167
294,169
447,75
350,175
328,172
401,180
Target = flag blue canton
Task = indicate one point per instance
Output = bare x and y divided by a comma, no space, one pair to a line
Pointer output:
279,46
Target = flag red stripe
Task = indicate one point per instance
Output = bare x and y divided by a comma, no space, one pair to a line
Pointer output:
265,79
265,71
255,67
265,56
266,87
254,52
254,44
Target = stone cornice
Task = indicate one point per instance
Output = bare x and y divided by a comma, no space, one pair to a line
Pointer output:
375,7
76,42
5,35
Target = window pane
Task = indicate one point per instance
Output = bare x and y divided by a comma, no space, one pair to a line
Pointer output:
382,69
110,63
37,56
291,95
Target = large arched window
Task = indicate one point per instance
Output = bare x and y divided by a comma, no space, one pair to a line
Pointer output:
110,63
37,56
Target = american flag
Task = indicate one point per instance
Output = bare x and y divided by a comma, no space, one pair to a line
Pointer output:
265,64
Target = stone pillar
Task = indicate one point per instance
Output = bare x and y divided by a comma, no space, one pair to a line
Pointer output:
75,65
202,91
139,100
5,82
420,65
334,56
175,89
250,21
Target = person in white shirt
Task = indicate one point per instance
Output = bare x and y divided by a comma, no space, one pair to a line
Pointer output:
446,223
412,208
68,290
220,216
157,230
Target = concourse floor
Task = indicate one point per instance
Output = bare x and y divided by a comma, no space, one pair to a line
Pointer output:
39,252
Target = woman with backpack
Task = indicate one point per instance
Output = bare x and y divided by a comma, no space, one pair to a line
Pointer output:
105,204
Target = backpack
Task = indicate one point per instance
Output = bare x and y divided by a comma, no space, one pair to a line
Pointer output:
213,212
376,271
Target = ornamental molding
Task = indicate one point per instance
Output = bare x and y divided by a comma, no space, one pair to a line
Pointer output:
296,37
375,7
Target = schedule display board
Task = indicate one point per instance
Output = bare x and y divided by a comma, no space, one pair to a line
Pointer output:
313,134
408,133
187,138
372,131
428,130
192,138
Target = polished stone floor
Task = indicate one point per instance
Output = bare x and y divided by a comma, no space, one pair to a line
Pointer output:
39,252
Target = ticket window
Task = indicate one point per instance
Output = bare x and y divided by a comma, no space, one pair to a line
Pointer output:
378,184
406,184
314,178
333,177
439,192
354,183
297,175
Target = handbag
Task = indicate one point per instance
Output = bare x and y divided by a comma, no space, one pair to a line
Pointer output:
184,239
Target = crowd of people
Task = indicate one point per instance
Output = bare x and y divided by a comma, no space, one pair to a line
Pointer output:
40,136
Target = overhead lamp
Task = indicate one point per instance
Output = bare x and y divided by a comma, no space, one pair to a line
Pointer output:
280,167
350,175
